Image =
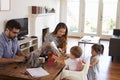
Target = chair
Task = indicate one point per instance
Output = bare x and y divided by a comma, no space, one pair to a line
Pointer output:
114,46
77,75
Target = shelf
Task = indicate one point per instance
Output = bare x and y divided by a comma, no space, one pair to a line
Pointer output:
28,44
44,14
24,48
28,39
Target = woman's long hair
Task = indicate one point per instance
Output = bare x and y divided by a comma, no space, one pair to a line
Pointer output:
63,39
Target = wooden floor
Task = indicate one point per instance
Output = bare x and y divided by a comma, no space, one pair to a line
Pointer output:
108,70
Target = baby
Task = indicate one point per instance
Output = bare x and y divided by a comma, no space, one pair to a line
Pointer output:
74,62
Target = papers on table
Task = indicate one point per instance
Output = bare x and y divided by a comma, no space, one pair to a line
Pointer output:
37,72
86,38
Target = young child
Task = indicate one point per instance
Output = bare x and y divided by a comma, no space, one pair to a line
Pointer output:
74,62
94,61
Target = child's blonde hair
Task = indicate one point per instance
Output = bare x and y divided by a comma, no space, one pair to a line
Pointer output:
76,51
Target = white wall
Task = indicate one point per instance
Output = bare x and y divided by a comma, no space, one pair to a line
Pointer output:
39,22
22,8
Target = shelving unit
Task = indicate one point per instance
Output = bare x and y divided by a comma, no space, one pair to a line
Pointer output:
42,14
41,19
28,45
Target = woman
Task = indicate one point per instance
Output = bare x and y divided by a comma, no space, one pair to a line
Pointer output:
58,36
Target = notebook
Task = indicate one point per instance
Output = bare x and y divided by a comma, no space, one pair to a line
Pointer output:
37,72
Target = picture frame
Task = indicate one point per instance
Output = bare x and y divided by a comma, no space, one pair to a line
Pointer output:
5,5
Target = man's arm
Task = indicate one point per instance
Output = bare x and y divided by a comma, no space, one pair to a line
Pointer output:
12,60
9,60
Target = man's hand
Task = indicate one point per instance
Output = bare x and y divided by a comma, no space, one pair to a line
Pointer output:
19,59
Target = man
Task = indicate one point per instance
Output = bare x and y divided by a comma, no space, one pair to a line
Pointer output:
9,48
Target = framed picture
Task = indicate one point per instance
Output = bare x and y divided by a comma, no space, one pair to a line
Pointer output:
5,4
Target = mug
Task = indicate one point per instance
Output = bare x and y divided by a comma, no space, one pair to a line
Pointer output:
42,59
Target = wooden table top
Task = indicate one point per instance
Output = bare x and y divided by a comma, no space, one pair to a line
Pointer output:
18,72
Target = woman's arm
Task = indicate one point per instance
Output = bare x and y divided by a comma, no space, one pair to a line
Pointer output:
46,45
47,42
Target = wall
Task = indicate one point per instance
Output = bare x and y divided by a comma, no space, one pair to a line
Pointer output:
41,21
22,8
118,16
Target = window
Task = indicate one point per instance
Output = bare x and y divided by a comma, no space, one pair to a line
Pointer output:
91,15
4,4
109,16
73,15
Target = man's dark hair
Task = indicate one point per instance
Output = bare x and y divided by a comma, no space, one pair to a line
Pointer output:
12,24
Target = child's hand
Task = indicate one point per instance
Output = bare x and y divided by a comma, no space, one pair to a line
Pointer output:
53,56
66,67
58,59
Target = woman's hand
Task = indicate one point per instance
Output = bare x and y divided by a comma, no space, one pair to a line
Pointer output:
48,44
60,50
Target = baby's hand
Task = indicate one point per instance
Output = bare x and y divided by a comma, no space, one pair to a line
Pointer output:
67,68
53,56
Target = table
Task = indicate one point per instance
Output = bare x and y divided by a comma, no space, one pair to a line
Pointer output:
88,40
17,71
